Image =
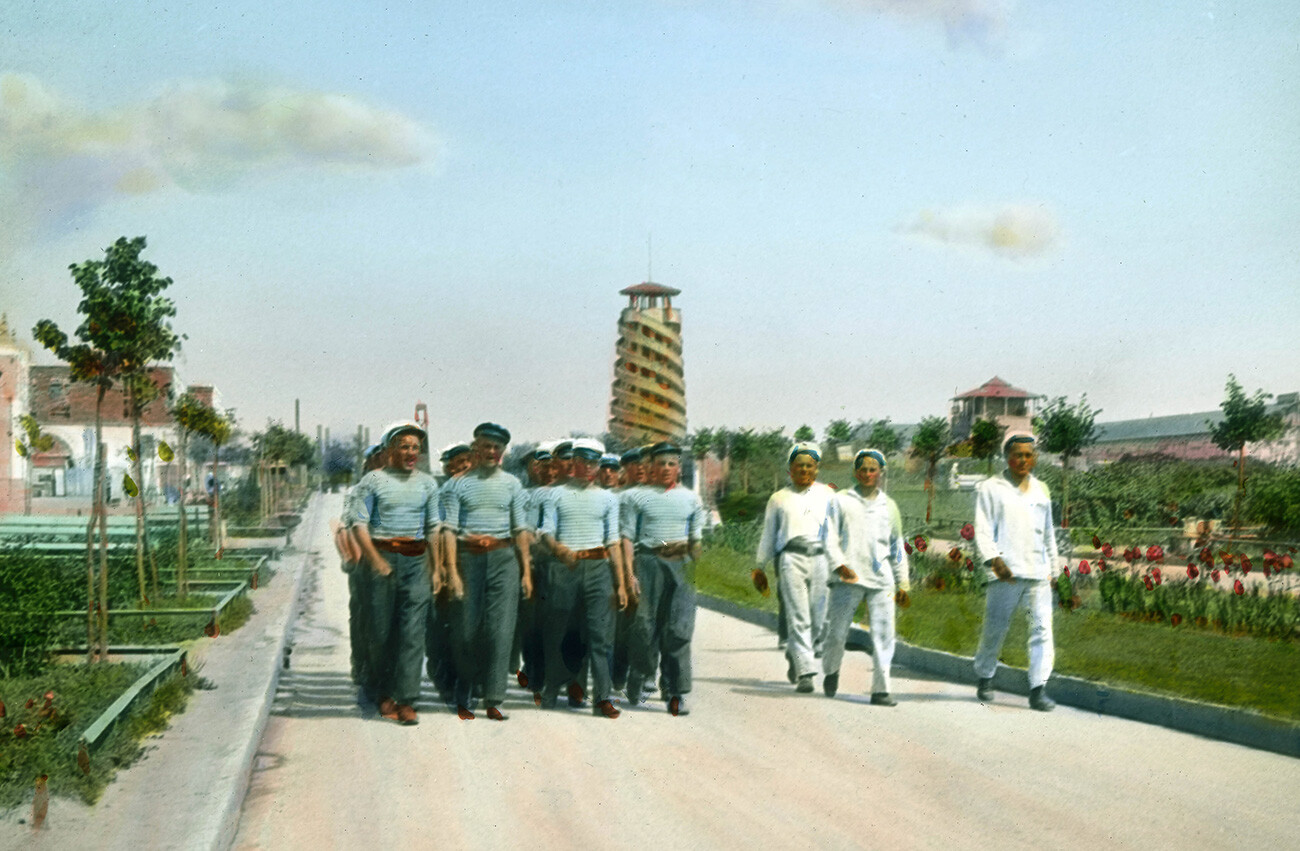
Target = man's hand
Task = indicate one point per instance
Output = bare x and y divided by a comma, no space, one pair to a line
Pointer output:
634,593
380,565
846,574
620,598
760,581
480,541
566,556
1000,570
902,599
526,586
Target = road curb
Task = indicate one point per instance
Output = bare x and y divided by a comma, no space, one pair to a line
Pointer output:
282,626
1229,724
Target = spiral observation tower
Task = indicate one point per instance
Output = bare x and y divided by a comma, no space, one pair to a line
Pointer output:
648,401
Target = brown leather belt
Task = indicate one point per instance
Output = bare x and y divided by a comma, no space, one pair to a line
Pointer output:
401,546
677,549
478,549
596,552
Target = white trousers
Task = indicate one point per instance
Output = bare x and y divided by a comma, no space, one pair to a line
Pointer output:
1002,600
845,597
802,584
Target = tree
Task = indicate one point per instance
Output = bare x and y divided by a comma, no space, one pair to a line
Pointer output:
929,444
838,431
1066,430
804,433
884,437
1245,420
140,392
192,417
340,464
986,441
125,328
218,429
35,441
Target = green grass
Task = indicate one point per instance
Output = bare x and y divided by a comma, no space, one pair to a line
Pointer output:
1183,661
81,694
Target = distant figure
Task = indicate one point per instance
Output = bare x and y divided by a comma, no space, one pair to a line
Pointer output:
1016,540
796,523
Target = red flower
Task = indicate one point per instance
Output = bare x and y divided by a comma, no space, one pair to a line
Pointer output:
1101,565
1267,572
1130,554
1155,553
1238,588
1155,571
1192,572
1286,562
920,543
1067,571
1107,550
1245,564
1096,542
1146,580
1207,557
968,532
3,711
1214,574
954,555
31,702
1226,556
970,565
1084,568
1269,557
1176,619
907,548
20,732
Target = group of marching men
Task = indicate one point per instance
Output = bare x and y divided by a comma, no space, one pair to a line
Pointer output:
582,573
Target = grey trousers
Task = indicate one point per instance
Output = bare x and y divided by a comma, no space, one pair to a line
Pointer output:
483,624
664,622
399,606
580,597
803,587
845,597
358,614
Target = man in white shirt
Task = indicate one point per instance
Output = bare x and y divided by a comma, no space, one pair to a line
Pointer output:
1016,540
796,523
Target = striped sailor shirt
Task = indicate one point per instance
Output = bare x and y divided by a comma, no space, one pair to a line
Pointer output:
653,516
492,504
581,518
395,505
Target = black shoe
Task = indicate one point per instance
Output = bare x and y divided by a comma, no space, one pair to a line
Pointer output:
805,685
984,691
831,684
882,698
1039,700
789,673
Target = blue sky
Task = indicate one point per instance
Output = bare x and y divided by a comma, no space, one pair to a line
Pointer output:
869,205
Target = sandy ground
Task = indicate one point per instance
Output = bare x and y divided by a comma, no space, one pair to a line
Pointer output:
754,765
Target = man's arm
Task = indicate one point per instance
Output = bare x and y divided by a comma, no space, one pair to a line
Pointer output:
986,519
377,562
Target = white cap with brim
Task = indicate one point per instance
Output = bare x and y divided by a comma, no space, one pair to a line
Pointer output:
399,428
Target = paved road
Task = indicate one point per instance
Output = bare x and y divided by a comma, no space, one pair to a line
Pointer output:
754,765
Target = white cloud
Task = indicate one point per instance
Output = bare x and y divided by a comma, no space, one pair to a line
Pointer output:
1018,231
60,159
980,21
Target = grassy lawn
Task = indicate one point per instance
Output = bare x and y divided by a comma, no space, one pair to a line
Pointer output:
1253,673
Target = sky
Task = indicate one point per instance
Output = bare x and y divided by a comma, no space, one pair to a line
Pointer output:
868,205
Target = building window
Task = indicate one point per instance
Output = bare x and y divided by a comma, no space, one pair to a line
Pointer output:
56,390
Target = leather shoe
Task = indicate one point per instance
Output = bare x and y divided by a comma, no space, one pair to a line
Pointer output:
406,715
805,685
984,691
831,684
577,697
521,678
606,708
1039,700
463,713
388,708
677,706
495,714
882,698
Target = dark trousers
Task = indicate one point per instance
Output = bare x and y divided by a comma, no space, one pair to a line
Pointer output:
529,652
441,663
580,598
358,612
399,607
664,622
483,623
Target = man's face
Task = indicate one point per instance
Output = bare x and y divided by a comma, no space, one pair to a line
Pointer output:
868,473
487,453
1021,459
404,452
584,470
561,469
457,464
637,472
608,477
803,470
666,470
539,471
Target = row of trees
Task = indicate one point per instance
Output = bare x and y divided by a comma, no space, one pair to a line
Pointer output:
125,328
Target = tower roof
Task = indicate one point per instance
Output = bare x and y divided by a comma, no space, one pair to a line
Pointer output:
995,388
649,288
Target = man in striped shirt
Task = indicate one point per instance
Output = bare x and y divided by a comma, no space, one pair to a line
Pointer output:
486,509
665,522
580,528
394,515
796,523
